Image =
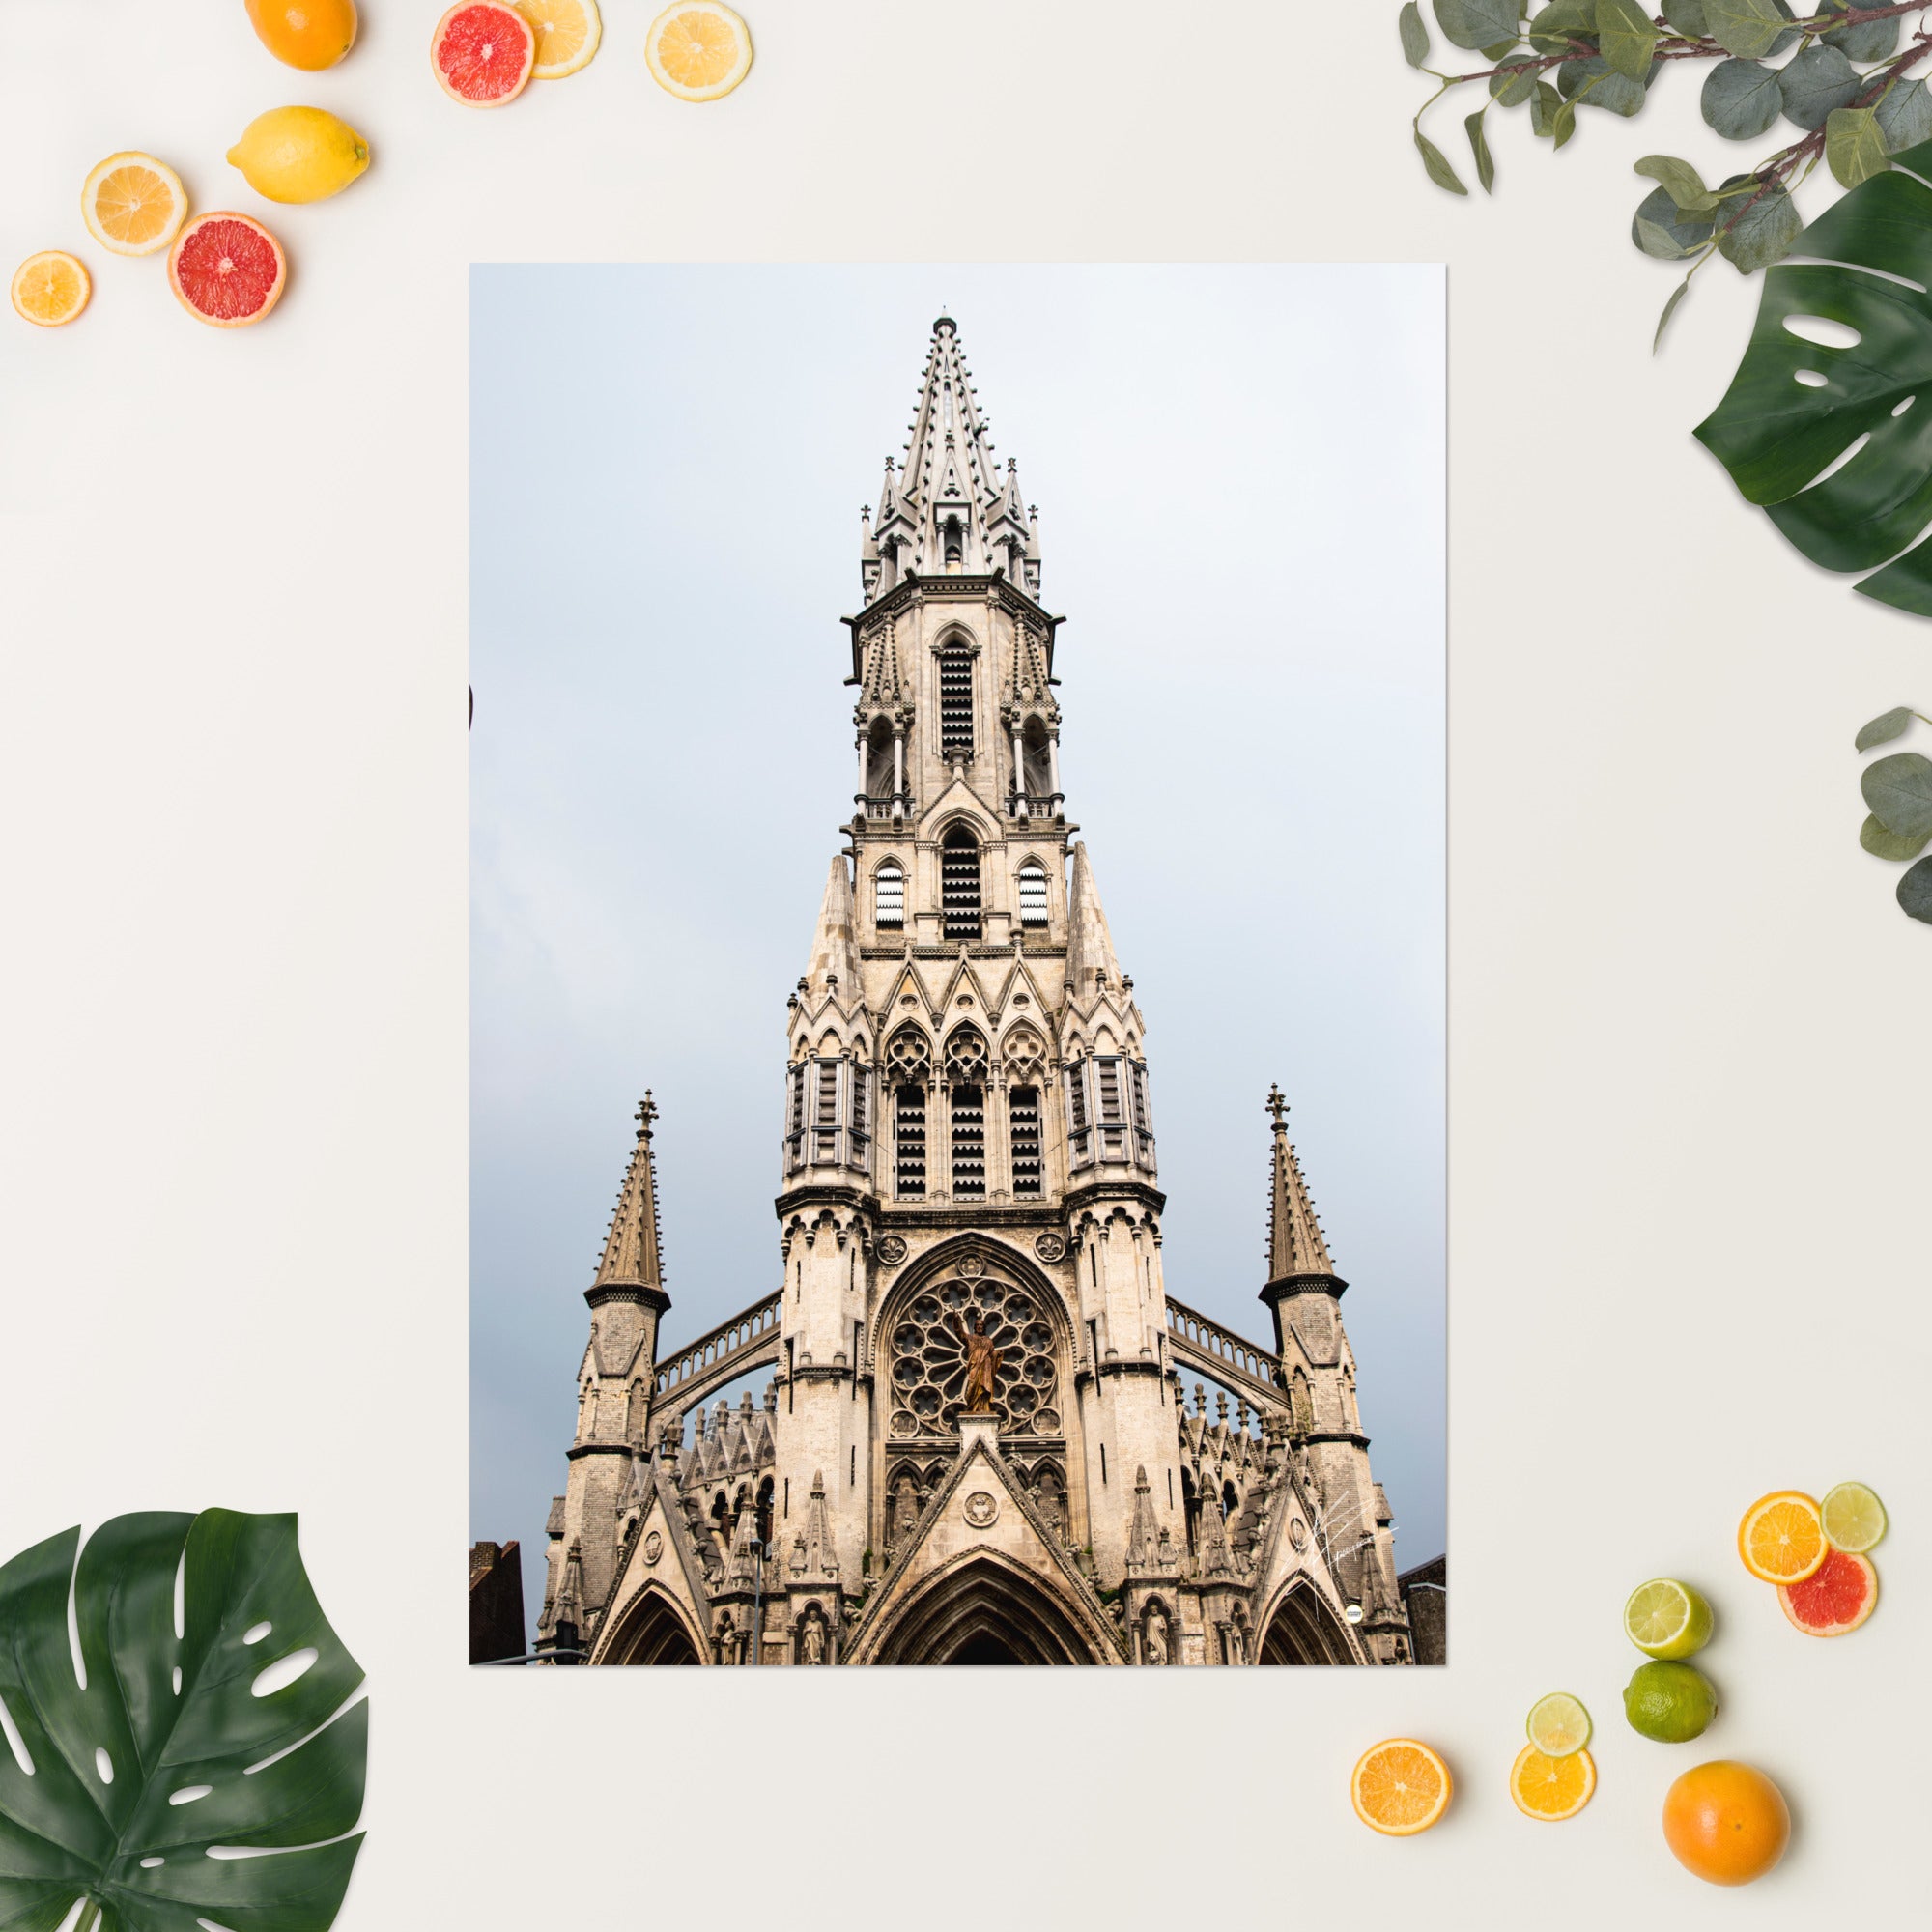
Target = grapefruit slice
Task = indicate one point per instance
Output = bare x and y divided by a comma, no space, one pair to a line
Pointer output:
1837,1597
1781,1538
50,288
1399,1787
227,269
133,204
1551,1788
483,53
698,50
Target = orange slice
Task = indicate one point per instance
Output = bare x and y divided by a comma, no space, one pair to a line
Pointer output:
134,205
698,50
50,288
1782,1538
568,33
1399,1787
1551,1787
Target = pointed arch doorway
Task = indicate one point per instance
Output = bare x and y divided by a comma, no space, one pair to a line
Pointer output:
652,1631
1303,1630
984,1611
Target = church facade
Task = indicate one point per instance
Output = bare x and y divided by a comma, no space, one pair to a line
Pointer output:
976,1442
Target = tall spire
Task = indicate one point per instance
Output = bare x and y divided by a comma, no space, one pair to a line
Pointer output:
1090,946
835,950
631,1249
1296,1244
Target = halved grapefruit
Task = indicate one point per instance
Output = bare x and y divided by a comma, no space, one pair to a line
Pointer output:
227,269
1837,1597
483,52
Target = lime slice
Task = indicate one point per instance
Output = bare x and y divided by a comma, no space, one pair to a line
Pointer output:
1669,1619
1854,1517
1558,1724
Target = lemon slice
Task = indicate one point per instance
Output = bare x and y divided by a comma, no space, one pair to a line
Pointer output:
50,288
1669,1619
568,33
698,50
1558,1724
1854,1517
135,203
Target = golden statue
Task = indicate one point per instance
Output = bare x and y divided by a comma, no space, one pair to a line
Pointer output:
982,1365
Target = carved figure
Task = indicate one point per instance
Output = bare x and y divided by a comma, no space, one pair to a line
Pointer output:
811,1645
983,1364
1156,1642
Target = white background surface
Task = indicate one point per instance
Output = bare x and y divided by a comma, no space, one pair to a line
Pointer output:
1688,1058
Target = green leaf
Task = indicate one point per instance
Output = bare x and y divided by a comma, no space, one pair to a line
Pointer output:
1747,28
1437,164
1659,227
1904,113
1677,295
1855,145
1551,31
1883,844
1512,87
1886,726
1563,124
1815,82
1543,107
168,1715
1595,83
1763,230
1868,41
1477,23
1898,794
1498,49
1741,98
1914,892
1486,168
1687,17
1681,182
1627,36
1414,35
1775,435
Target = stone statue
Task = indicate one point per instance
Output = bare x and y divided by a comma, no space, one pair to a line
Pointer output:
1237,1644
982,1365
811,1645
1156,1642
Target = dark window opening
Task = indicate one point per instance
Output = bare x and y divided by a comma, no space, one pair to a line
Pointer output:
959,884
909,1164
956,704
969,1143
956,544
1023,1122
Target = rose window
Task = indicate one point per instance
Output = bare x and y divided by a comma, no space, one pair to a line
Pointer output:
928,1371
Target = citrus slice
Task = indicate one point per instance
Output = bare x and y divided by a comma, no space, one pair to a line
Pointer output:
567,33
483,52
1837,1597
50,288
1781,1539
698,50
1549,1787
133,204
1558,1724
1853,1518
1399,1787
1669,1619
227,269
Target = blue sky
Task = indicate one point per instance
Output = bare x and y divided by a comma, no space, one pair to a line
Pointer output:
1239,474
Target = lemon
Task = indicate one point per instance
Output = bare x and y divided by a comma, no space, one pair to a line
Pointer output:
299,153
698,50
567,33
1669,1703
1854,1517
1669,1619
1558,1724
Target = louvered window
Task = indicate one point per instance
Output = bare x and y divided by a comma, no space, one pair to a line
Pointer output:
909,1151
969,1143
959,884
956,704
1023,1126
862,1114
825,1112
1080,1139
889,895
1033,896
795,1117
1109,1070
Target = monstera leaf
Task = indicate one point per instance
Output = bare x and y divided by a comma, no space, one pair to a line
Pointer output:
148,1788
1796,406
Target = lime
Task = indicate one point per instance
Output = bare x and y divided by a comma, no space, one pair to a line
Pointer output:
1669,1703
1558,1724
1667,1618
1854,1517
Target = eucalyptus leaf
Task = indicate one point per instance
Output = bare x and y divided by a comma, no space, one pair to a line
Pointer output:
1762,230
1883,844
1414,35
1555,26
1677,295
1486,167
1775,435
1747,28
1687,17
1914,892
1855,146
101,1816
1477,23
1814,82
1498,48
1868,41
1437,164
1595,83
1661,230
1512,87
1904,113
1563,124
1543,108
1886,726
1898,794
1680,180
1741,98
1626,36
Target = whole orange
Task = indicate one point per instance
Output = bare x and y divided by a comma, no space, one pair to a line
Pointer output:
308,34
1726,1822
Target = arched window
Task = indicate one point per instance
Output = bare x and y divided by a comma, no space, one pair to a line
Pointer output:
879,761
966,1070
1022,1137
959,883
908,1069
1033,894
956,544
955,703
1190,1510
888,895
1036,766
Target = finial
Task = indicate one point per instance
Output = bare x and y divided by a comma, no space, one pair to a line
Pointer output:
1278,1107
647,1113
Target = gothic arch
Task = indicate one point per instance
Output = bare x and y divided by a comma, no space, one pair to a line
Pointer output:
945,1258
985,1609
1301,1627
957,635
653,1630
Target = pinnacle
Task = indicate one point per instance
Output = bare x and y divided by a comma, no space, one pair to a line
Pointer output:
1296,1244
632,1256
